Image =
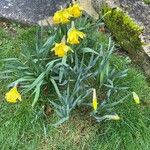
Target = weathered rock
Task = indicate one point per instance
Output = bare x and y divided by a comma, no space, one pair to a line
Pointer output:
97,4
87,6
129,23
29,11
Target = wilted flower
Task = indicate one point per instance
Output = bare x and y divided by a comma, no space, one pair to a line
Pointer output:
136,98
61,16
13,95
61,49
112,117
94,103
75,10
74,35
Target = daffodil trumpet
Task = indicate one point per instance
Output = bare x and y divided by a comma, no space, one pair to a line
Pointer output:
61,17
61,49
13,95
75,10
74,35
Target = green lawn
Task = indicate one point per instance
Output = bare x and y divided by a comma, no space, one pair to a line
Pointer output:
25,128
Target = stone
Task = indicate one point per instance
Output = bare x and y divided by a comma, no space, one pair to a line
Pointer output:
129,23
29,11
88,8
97,4
140,12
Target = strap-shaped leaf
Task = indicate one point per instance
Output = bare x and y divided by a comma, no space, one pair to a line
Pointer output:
9,59
60,122
37,93
48,44
89,50
36,82
56,87
23,79
50,65
118,102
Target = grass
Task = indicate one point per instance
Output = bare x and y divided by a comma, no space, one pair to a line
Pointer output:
24,128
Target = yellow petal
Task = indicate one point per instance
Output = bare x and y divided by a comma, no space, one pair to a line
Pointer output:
81,34
13,95
61,16
57,17
95,103
74,35
61,49
75,10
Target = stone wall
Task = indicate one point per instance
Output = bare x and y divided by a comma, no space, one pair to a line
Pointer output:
129,23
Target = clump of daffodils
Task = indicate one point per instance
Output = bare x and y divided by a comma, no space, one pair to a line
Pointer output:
76,62
60,49
63,16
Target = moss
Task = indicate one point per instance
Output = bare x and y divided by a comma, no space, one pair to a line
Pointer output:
147,2
124,29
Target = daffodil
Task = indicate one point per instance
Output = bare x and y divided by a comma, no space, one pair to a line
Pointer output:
61,49
74,35
136,98
13,95
94,103
112,117
75,10
61,16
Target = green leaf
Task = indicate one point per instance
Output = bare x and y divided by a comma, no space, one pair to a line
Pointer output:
21,80
118,102
60,122
35,83
6,72
89,50
56,87
50,65
9,59
37,93
6,77
61,72
48,44
101,78
55,105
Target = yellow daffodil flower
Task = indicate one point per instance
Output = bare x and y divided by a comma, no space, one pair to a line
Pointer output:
61,49
95,103
75,10
136,98
113,117
74,35
61,16
13,95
